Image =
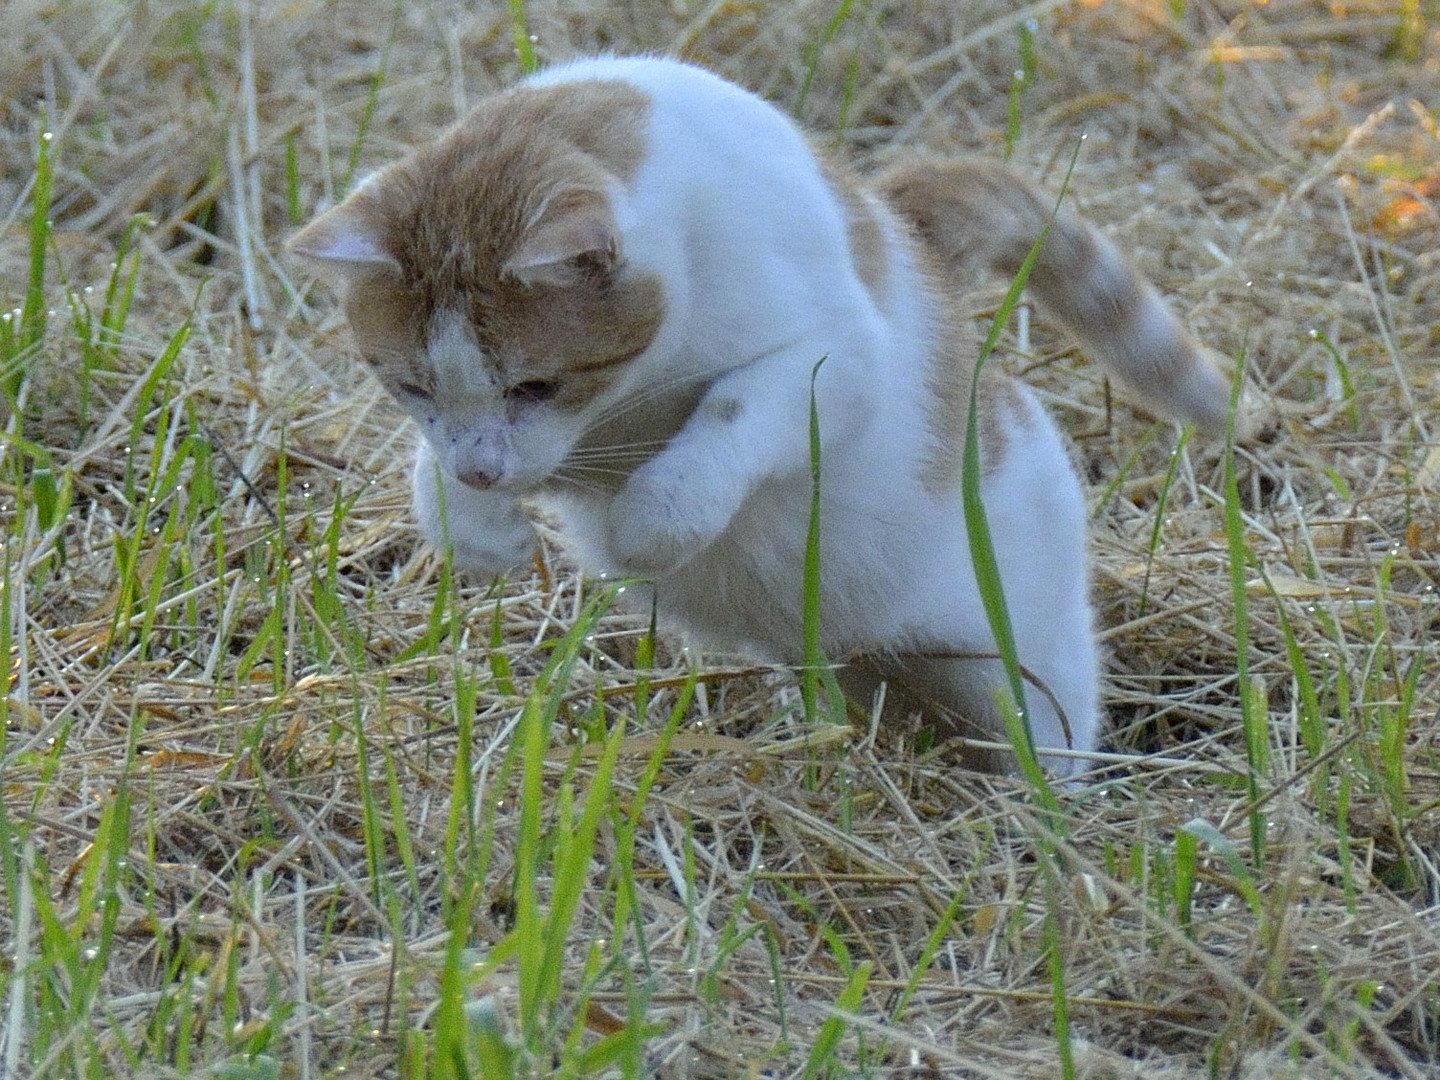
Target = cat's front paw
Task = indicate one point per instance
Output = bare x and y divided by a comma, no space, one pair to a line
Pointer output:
496,551
654,530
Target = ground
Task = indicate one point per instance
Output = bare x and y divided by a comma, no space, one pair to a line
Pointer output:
282,798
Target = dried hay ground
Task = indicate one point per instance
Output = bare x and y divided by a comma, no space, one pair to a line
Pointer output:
271,704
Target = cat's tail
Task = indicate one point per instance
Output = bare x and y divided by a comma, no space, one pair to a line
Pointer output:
972,211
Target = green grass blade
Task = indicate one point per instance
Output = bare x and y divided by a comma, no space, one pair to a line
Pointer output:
815,668
120,289
812,53
982,548
571,863
1102,504
1186,849
1310,720
1256,737
1162,502
372,98
32,314
1059,998
833,1029
1023,79
520,31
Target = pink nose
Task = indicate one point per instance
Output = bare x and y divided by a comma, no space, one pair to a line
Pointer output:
477,478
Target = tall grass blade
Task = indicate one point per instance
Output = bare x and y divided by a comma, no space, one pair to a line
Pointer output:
833,1029
1059,999
982,548
812,53
815,669
520,31
1256,737
372,98
1162,502
32,314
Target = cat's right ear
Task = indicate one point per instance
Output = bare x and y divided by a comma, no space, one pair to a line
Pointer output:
345,242
571,237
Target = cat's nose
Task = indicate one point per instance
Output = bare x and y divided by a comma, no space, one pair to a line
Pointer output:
479,479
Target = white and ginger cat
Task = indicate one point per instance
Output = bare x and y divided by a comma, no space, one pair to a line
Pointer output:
603,293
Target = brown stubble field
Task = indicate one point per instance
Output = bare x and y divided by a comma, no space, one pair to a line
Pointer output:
257,767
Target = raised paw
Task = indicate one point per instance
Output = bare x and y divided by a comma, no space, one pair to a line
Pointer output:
656,528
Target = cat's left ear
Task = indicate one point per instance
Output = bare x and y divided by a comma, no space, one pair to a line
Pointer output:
572,239
346,241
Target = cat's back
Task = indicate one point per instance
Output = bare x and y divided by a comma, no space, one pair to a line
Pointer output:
697,123
704,101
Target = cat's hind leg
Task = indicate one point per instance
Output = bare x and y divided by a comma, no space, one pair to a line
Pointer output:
1036,515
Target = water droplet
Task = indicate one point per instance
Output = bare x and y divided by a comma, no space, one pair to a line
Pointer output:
47,136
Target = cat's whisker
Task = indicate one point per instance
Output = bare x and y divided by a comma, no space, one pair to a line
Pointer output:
616,454
599,470
632,402
664,386
578,483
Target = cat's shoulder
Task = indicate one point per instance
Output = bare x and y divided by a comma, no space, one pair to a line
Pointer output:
659,75
683,96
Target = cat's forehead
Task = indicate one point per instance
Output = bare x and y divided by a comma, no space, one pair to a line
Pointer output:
453,210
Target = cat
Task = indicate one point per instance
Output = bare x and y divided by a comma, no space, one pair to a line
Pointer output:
603,293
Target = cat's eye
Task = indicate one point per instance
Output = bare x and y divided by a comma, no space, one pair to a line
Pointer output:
414,390
533,390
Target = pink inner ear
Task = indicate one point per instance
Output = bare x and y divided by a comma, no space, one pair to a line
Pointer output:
344,239
573,224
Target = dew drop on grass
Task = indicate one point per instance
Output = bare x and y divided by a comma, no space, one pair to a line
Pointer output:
47,136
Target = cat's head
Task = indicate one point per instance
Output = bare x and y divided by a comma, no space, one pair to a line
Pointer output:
486,280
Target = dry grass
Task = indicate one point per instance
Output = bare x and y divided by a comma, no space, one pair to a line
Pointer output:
272,713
